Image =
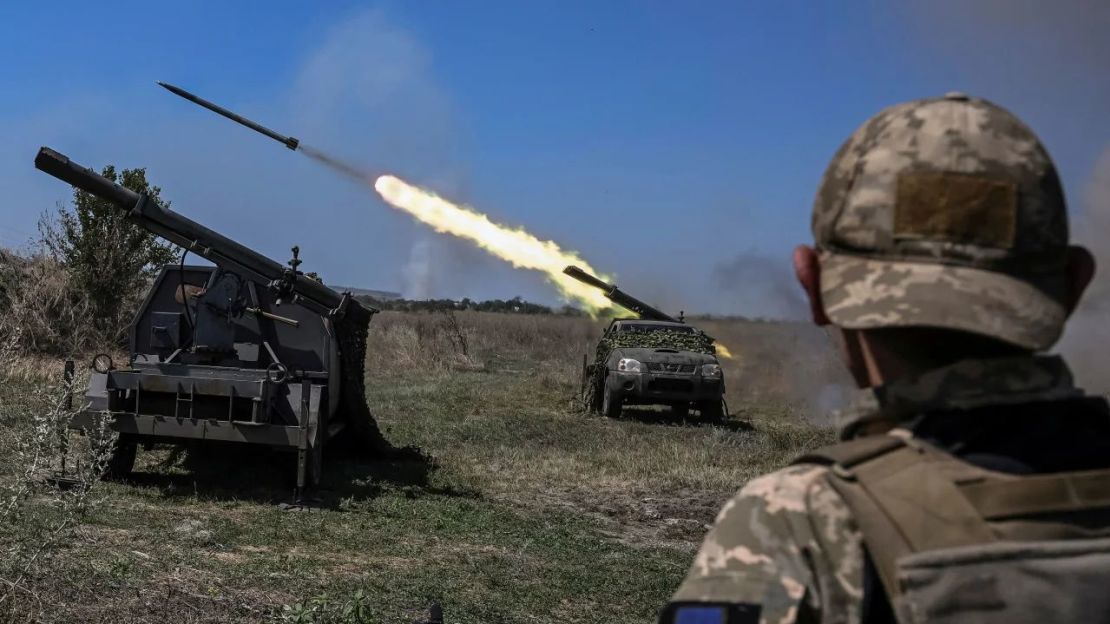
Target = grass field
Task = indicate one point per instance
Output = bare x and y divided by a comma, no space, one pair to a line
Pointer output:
526,510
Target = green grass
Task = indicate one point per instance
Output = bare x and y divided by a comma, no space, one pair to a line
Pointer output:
530,512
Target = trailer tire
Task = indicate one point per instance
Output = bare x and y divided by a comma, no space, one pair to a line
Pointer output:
122,460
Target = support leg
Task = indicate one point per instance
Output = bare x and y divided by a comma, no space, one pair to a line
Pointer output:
303,449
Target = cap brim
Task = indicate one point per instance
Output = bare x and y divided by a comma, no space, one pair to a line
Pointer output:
864,293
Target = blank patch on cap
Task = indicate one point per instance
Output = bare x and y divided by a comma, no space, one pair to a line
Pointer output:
957,208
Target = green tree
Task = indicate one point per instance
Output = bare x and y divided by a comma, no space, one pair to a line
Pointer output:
109,260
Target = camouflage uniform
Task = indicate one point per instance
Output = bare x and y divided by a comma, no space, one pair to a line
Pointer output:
944,213
788,542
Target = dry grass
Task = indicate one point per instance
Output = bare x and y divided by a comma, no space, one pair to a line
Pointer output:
508,422
785,367
47,313
532,511
476,340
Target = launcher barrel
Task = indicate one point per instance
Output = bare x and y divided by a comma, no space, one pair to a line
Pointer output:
619,297
182,231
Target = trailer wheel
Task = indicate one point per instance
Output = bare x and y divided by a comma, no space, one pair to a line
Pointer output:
122,460
611,404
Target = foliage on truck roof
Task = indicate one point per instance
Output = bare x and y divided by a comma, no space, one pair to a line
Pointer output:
660,337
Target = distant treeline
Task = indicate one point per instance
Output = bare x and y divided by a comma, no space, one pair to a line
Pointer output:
516,305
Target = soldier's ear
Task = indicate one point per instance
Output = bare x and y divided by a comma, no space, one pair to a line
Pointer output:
1081,270
808,269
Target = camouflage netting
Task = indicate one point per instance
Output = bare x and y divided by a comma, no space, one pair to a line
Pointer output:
351,330
697,342
363,434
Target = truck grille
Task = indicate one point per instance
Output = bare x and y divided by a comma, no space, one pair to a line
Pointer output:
663,367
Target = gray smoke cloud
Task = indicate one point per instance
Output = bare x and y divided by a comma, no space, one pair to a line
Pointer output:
1088,334
1049,61
367,97
1055,53
759,285
369,86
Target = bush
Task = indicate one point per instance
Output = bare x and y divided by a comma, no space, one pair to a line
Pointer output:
37,514
80,285
108,260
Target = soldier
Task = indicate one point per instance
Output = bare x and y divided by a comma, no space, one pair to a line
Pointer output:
973,483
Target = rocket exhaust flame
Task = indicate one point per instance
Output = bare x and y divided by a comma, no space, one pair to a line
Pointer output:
516,246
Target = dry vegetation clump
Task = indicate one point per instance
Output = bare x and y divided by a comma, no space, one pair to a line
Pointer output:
49,314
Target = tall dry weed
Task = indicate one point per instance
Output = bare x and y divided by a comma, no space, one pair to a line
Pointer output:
51,314
10,338
38,514
54,313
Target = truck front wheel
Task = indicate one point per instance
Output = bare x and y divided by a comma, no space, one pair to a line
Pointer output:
712,410
611,403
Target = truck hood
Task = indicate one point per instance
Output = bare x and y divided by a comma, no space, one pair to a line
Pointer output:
666,356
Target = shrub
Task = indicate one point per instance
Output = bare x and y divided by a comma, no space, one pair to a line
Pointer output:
38,514
108,260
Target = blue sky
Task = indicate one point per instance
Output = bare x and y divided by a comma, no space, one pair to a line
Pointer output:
676,145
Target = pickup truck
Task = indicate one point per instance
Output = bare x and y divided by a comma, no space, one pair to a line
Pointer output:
648,362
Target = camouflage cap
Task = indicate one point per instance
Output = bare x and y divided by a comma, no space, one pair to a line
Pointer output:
944,212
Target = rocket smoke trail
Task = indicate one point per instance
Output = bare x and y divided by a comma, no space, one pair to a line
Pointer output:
514,245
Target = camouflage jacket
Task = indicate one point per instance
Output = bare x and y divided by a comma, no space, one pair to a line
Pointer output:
787,540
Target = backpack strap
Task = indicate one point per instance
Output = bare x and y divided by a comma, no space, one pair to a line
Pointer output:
852,452
999,499
904,499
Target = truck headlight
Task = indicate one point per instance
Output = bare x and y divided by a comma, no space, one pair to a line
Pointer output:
628,365
710,370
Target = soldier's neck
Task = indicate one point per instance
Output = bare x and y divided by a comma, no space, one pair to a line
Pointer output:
881,365
891,354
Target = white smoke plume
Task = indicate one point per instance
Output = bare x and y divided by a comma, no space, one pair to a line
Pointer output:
418,272
368,97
